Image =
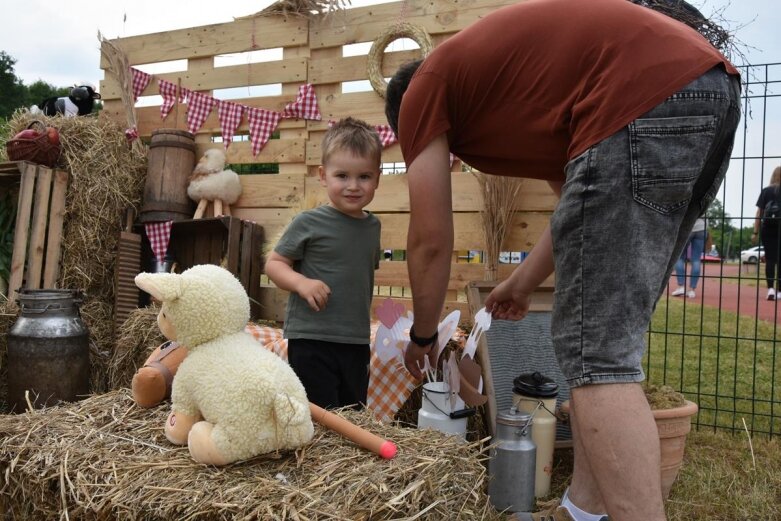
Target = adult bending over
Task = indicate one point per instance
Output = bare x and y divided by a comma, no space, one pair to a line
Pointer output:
630,116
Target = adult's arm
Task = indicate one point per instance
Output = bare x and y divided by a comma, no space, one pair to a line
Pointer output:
757,221
510,299
429,243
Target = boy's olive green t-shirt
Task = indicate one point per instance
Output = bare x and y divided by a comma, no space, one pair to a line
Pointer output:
342,251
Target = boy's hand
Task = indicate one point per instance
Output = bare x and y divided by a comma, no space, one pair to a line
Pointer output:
315,292
506,302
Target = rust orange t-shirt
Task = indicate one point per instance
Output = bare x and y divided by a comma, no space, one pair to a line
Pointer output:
533,85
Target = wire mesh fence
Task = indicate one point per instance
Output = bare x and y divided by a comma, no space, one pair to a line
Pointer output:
719,346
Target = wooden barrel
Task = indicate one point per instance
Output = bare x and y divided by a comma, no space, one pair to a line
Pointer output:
171,161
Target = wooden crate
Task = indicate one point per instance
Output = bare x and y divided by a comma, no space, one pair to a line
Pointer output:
229,242
35,262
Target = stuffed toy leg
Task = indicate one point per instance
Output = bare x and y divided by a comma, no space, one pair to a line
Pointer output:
152,382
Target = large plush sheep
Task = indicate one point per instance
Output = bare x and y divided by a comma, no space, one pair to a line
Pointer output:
231,398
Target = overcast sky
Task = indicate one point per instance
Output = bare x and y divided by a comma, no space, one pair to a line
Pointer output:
58,44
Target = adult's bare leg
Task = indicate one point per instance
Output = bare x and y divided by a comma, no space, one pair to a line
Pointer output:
621,443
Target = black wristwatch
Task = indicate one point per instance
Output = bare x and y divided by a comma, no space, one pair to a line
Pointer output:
422,342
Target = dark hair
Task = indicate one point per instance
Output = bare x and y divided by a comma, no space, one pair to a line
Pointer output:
397,86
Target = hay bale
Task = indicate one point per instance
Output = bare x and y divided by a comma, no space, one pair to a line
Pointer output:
137,338
106,178
104,458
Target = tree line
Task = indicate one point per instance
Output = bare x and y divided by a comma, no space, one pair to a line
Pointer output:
14,94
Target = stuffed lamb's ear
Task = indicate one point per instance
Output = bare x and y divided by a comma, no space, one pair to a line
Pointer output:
162,286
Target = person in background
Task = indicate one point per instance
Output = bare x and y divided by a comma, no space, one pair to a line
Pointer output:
630,116
326,259
697,243
768,231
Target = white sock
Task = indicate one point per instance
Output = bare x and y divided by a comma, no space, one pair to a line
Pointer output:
578,514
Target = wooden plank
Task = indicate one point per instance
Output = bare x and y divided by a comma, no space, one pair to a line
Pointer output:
364,24
392,194
245,261
353,68
367,106
127,267
263,73
54,240
256,268
266,32
524,231
21,229
43,188
233,244
275,151
270,191
274,300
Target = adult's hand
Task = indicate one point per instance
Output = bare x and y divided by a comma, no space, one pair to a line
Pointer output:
414,357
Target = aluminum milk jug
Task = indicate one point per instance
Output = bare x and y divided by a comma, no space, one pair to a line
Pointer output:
511,465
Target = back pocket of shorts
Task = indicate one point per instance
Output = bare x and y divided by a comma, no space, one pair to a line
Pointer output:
668,155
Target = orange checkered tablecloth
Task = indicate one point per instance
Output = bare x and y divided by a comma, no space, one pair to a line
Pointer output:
389,383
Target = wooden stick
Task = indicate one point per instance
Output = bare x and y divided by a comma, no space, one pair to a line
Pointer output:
218,207
201,209
354,433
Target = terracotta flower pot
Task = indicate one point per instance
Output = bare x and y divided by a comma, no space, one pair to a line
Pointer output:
673,426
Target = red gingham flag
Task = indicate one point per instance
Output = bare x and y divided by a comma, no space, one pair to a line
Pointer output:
387,137
199,107
168,92
262,123
159,234
140,81
305,106
230,116
131,134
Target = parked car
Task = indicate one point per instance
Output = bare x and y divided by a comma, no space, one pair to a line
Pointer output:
708,257
752,255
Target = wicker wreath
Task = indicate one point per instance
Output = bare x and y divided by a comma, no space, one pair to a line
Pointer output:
376,53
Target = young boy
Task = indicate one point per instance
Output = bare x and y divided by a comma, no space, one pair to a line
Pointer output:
326,260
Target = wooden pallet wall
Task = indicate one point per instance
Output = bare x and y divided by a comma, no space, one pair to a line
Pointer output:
312,52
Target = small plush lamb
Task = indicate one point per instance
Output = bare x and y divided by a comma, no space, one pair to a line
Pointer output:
231,398
211,182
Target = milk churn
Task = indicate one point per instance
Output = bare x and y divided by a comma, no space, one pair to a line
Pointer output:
512,463
48,349
535,393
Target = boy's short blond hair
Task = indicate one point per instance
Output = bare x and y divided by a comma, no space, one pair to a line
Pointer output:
355,136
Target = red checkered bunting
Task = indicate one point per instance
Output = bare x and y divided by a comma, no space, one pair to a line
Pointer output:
168,92
387,136
262,123
305,106
140,81
131,134
199,106
230,116
159,233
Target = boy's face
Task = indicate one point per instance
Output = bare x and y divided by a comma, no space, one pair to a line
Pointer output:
350,181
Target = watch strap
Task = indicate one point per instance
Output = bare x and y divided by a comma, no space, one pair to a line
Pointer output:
422,342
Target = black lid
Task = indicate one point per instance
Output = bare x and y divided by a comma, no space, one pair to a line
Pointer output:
535,385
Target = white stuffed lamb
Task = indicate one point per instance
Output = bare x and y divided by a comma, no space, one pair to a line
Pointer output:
231,398
211,182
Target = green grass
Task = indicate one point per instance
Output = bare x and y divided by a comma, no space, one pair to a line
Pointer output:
728,364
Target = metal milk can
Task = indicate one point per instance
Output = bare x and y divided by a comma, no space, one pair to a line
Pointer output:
48,349
511,466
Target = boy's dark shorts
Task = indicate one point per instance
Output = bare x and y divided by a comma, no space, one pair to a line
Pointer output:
626,210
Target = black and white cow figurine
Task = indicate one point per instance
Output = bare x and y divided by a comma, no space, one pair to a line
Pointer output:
79,102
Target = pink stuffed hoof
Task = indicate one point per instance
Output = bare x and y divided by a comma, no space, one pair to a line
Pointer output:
201,444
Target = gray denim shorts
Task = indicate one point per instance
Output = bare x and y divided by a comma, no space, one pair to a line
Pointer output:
626,210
